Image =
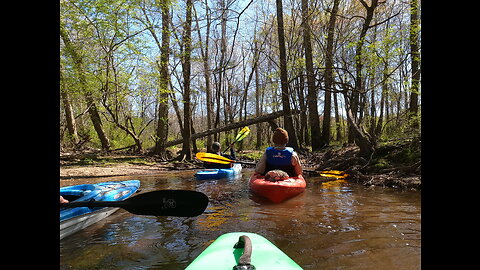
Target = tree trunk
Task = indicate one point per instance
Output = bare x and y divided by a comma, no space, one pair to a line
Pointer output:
415,53
187,118
338,125
162,124
359,78
379,126
233,125
97,122
221,83
362,138
302,136
258,107
329,75
208,86
94,115
287,120
70,119
205,53
373,113
313,117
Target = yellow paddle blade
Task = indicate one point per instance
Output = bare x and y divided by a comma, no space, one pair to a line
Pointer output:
333,173
242,134
209,157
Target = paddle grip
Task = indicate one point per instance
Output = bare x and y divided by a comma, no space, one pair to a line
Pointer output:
244,260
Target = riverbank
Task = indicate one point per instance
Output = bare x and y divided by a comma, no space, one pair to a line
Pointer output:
92,164
395,165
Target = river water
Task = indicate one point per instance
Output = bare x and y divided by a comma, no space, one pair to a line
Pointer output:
332,225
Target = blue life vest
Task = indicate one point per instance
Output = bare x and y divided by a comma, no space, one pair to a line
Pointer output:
280,160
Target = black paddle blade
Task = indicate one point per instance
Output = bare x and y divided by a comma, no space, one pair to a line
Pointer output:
177,203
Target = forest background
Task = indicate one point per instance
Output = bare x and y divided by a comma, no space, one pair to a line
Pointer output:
135,73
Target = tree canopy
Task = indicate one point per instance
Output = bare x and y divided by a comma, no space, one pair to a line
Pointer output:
142,74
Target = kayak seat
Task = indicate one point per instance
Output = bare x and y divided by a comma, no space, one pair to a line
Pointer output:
71,198
74,194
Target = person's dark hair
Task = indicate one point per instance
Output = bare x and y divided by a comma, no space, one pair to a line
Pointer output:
216,146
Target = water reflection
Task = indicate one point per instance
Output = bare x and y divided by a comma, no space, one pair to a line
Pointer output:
332,225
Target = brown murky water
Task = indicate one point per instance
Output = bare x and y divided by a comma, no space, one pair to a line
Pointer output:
333,225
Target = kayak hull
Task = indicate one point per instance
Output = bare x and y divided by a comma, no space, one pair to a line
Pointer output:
78,218
235,170
221,254
278,191
78,223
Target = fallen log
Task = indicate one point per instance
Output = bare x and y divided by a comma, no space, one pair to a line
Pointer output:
248,122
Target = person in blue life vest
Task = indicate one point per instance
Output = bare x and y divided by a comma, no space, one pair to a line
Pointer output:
216,150
279,162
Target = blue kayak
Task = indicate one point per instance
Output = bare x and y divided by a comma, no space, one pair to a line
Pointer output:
235,170
75,219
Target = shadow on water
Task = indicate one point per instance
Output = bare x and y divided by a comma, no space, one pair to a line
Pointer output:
332,225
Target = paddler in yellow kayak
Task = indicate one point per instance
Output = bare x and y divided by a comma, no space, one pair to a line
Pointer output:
216,150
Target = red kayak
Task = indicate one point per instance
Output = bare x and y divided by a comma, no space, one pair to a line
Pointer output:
277,191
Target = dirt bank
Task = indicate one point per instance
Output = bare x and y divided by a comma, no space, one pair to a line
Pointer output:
98,164
396,165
